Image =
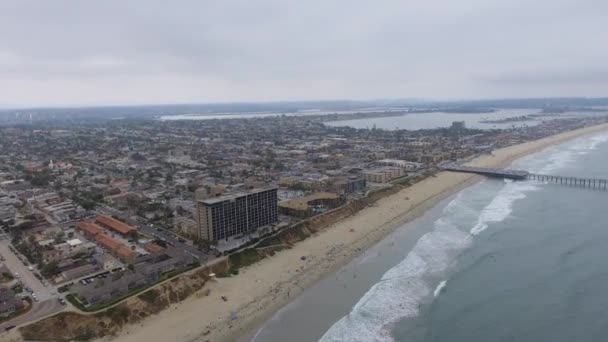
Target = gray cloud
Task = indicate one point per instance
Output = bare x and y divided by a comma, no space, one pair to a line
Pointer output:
142,51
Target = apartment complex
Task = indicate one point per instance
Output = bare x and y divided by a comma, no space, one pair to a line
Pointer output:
222,217
114,224
95,232
383,174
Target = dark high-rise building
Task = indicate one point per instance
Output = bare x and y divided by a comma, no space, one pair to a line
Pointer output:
226,216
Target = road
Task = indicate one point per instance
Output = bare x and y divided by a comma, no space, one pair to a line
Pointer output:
40,310
48,304
25,275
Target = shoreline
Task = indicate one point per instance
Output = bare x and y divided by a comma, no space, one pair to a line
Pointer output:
263,288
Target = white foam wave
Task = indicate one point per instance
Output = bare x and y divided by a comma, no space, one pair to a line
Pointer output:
440,288
402,288
502,205
558,157
400,291
597,140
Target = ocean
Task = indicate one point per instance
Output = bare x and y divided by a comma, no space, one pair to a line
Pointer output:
498,261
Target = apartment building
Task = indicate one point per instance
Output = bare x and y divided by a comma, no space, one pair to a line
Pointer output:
383,174
222,217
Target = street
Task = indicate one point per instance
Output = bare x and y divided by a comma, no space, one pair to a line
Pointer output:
40,310
25,275
48,300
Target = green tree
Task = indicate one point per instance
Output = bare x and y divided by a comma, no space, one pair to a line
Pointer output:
49,269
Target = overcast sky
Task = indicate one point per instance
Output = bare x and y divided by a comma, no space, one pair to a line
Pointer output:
131,52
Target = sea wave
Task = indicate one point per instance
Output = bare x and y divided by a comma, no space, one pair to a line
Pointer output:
557,157
596,140
502,205
400,291
440,288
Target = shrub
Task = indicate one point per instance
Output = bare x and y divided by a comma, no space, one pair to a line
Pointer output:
118,314
149,296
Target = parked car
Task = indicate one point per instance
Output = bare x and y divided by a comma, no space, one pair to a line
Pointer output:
62,301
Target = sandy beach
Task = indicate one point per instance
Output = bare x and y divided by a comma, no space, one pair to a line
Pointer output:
261,289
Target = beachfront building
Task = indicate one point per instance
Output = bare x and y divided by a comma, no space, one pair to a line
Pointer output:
383,174
310,205
234,214
347,185
407,165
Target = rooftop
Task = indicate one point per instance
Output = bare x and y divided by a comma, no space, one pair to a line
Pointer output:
233,196
108,242
302,203
114,224
74,242
90,228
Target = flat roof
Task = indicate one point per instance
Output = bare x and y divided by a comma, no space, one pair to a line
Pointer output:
235,195
74,242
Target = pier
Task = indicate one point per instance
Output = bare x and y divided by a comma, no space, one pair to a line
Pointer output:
592,183
489,172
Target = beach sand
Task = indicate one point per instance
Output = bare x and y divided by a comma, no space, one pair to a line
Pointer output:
261,289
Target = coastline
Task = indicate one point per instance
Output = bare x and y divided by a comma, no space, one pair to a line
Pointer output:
262,288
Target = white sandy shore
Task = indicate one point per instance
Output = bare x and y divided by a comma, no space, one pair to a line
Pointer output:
259,290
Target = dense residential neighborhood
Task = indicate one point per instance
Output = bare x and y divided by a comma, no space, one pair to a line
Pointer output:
95,211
